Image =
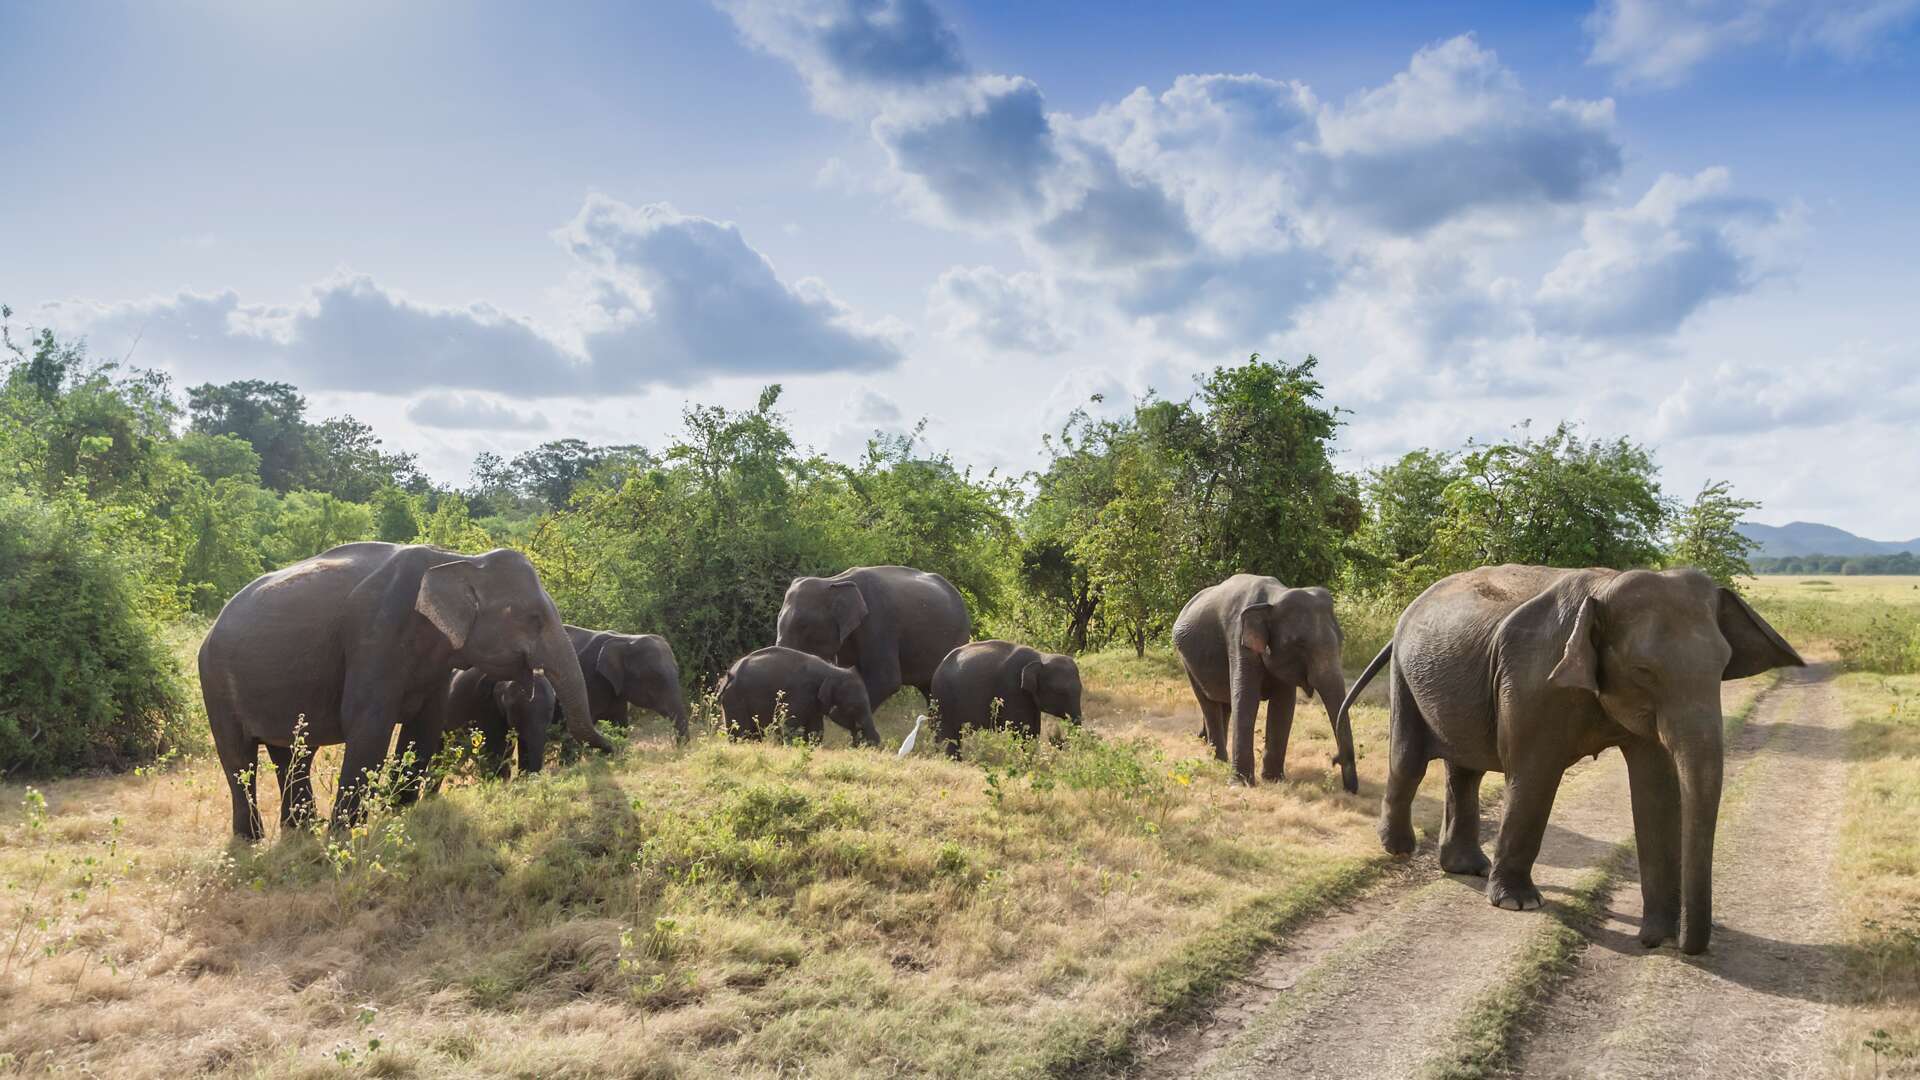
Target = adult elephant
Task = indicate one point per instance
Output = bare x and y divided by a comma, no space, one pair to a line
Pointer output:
1526,669
892,624
762,684
1251,639
630,669
476,701
344,646
988,683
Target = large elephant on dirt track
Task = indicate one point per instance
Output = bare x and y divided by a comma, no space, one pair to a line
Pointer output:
892,624
1251,639
341,647
1526,669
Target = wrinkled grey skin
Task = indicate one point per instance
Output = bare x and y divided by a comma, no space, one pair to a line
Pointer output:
1526,669
892,624
359,640
479,702
1251,639
811,689
1025,681
630,669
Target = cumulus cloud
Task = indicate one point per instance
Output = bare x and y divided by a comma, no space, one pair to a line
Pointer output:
670,299
1007,311
1850,387
1659,43
676,299
472,412
1645,268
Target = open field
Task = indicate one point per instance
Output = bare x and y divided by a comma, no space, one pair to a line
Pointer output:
1103,906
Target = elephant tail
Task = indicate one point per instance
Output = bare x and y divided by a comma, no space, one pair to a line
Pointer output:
1343,722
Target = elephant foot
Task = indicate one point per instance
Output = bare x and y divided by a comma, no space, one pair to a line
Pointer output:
1513,895
1469,861
1694,941
1655,931
1273,770
1396,837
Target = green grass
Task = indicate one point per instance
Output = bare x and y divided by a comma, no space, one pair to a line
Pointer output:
1873,623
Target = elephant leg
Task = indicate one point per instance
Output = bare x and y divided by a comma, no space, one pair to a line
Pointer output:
239,756
421,737
493,747
1213,719
1244,715
882,680
1406,766
1655,785
1279,728
1523,824
532,749
1460,834
295,770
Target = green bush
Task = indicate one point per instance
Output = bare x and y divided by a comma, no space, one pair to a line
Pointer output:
86,678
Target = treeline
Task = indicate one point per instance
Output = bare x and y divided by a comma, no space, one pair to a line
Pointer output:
1902,562
165,509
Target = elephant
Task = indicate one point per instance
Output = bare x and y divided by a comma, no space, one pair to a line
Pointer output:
1251,639
1024,681
810,688
346,645
1524,670
892,624
478,701
630,669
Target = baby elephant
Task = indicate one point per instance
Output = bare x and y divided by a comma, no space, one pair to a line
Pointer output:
1026,682
476,700
810,688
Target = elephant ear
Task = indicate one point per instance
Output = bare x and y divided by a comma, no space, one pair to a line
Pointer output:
450,599
1757,647
826,692
1579,666
611,667
1253,627
1030,677
849,607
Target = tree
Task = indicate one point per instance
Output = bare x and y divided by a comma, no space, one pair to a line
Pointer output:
550,471
449,527
1705,535
310,522
1406,501
345,460
217,457
270,416
1128,549
216,527
1556,501
396,516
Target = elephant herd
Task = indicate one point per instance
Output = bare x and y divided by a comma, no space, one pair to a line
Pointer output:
1521,670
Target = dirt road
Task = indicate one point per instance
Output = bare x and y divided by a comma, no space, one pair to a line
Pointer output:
1390,986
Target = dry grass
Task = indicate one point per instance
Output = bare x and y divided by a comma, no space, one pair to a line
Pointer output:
1879,875
1873,622
724,910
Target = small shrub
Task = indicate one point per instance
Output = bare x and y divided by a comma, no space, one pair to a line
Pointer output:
86,677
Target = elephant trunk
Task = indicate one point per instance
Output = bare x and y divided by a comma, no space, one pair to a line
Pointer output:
1331,684
555,654
1701,763
677,711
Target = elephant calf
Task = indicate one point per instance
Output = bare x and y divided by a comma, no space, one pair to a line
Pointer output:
1525,670
630,669
478,701
759,684
1022,682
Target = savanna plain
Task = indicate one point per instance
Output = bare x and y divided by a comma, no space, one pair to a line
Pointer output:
1102,901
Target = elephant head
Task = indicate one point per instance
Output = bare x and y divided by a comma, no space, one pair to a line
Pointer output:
1654,648
1054,683
643,671
1298,640
843,696
819,614
496,617
527,707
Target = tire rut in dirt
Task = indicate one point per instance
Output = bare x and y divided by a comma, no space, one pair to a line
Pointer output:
1756,1003
1388,998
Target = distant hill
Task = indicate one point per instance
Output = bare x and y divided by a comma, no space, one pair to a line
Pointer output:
1811,538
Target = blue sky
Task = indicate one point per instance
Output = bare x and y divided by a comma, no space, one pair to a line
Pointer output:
482,226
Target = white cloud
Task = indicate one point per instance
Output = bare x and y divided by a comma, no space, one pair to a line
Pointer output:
1646,268
670,299
472,412
1007,311
1660,42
